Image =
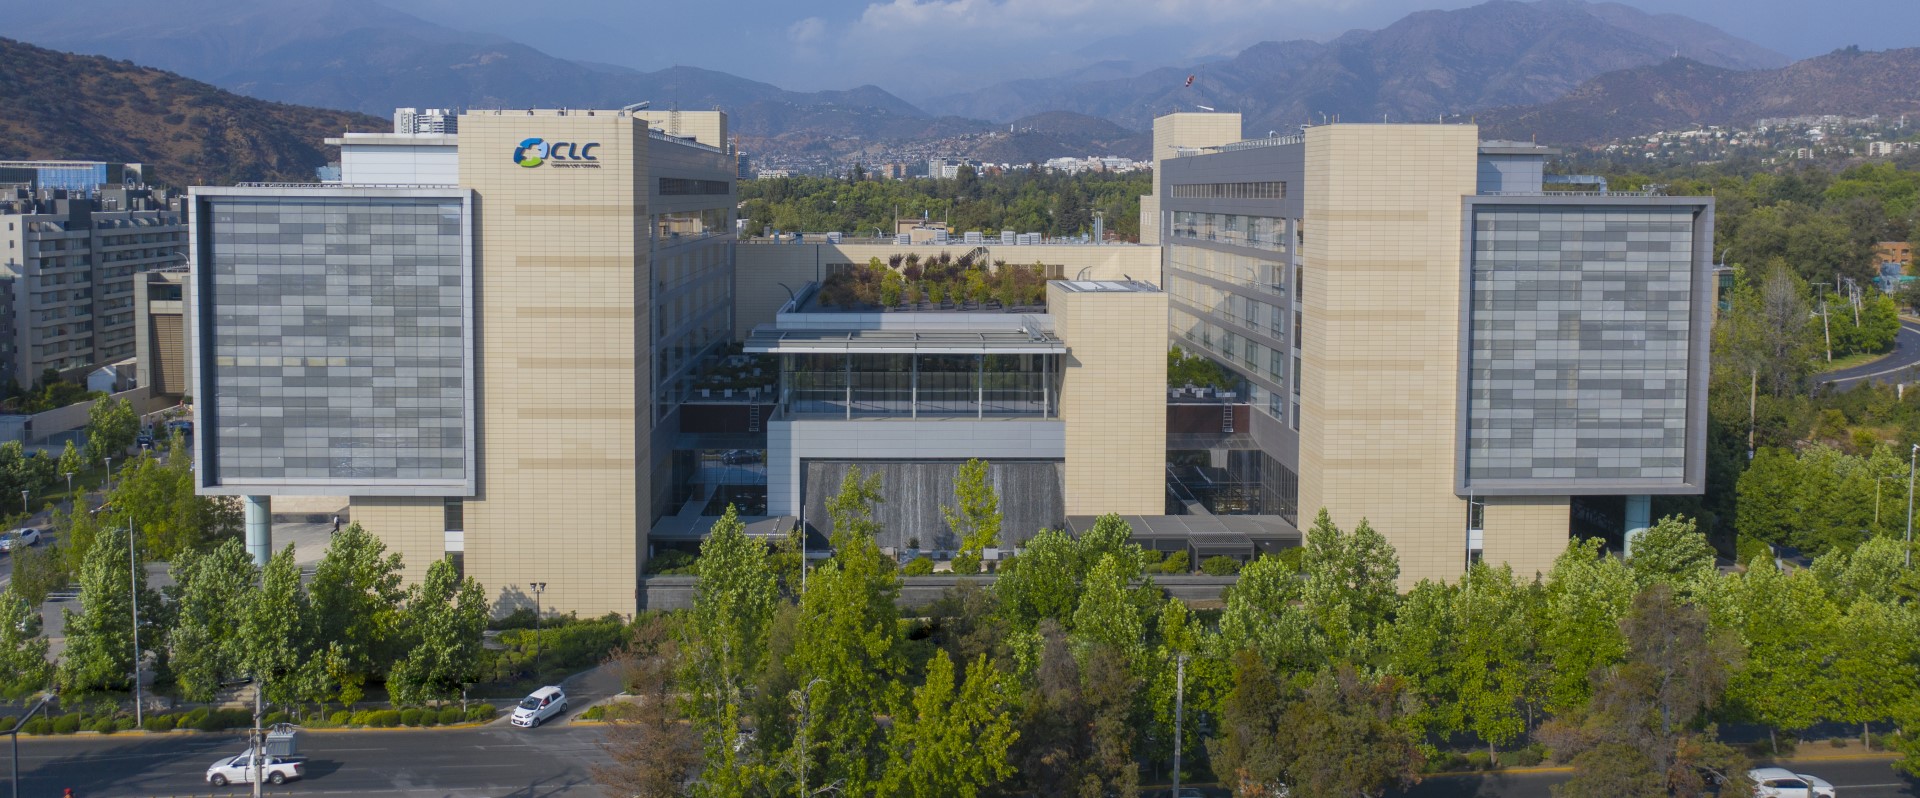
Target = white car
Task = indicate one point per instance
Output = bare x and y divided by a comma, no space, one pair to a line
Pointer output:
24,537
535,709
239,770
1784,783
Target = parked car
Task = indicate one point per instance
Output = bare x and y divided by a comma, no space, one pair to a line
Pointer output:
23,537
239,770
535,709
1784,783
741,457
143,441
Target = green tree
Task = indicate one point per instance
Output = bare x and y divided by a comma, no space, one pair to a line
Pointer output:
358,614
1788,627
1764,339
446,616
1350,584
1769,496
1672,551
1347,736
111,427
848,654
1263,615
1108,615
1638,735
1043,582
24,669
1587,595
1420,648
210,593
1247,755
99,653
723,644
1875,675
954,736
977,520
171,516
1492,656
71,461
276,631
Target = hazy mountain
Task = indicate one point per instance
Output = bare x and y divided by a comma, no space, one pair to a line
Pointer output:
1682,92
1431,62
361,55
56,105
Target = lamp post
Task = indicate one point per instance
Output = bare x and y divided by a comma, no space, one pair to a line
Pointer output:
23,502
1179,708
109,474
537,588
1910,461
15,735
133,595
69,485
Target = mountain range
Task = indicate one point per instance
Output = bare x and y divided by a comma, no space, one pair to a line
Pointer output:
56,105
1683,92
1564,70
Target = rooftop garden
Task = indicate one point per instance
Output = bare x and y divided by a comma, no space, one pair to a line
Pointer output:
1194,371
906,282
732,369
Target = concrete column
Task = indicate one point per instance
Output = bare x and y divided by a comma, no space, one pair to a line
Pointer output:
259,523
1639,517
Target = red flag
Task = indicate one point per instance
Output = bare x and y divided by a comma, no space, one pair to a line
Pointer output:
1189,81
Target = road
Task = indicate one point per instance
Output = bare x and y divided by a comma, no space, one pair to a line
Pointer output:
1895,367
495,761
1857,778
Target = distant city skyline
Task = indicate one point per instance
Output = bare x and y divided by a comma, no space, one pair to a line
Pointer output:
918,48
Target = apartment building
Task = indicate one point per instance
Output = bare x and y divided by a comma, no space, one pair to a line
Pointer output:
479,365
67,267
1435,343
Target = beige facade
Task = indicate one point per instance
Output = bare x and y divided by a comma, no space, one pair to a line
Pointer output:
1526,532
1113,397
410,527
706,127
761,268
1171,134
1380,349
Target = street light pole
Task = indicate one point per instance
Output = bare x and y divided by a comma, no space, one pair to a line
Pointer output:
15,735
133,594
23,503
537,588
109,474
1910,461
1179,708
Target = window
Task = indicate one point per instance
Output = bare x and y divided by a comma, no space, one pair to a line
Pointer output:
454,511
1271,189
686,187
1476,515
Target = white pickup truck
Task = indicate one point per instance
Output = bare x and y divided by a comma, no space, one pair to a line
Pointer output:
239,770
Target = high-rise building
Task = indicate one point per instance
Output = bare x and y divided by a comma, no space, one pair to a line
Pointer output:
67,269
78,178
490,368
408,121
1434,342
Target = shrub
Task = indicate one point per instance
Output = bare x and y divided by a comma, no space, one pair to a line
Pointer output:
410,716
429,717
104,726
341,718
123,724
1526,757
384,719
158,723
1748,548
1479,760
1220,565
919,566
1175,563
275,717
595,712
192,719
451,715
1152,556
480,712
1295,558
67,724
362,718
37,725
670,561
233,719
522,618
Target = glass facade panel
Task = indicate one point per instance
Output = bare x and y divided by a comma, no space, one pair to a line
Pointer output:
1259,232
336,338
1580,324
927,385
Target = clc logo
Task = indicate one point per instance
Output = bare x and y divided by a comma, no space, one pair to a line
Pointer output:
534,152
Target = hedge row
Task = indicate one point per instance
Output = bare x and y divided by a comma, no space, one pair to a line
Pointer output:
208,720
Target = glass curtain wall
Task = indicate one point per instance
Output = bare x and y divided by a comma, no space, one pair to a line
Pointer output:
879,385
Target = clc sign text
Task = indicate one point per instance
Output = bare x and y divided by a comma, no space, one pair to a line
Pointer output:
538,152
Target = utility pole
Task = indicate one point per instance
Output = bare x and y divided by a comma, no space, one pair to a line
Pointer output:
1826,327
1753,405
15,735
1910,461
1179,708
259,739
133,595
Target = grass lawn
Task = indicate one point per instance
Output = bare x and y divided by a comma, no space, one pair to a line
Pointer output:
1851,361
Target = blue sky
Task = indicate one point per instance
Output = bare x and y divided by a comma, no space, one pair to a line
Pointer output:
921,47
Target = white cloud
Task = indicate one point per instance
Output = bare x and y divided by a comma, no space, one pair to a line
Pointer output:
807,31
